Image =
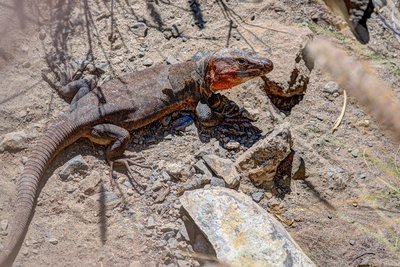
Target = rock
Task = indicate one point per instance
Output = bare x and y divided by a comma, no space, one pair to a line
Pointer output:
240,231
89,184
73,166
157,185
165,176
14,141
108,199
355,152
168,227
183,231
363,123
139,29
26,64
258,196
175,169
148,62
69,188
183,263
172,243
130,192
42,35
151,222
223,168
53,240
298,168
340,170
331,87
232,145
171,60
261,161
4,225
202,168
364,263
175,31
215,181
290,77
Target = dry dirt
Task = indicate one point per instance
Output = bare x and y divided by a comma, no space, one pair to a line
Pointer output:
346,212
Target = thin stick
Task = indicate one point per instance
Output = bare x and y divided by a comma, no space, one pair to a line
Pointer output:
340,118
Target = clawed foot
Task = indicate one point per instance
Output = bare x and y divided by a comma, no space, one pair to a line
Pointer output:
139,187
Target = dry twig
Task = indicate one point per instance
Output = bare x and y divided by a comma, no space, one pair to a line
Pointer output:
369,90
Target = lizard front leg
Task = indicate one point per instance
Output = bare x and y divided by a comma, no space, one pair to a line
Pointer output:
218,109
229,109
117,139
70,89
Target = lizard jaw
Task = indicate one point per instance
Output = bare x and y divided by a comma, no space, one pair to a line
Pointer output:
230,67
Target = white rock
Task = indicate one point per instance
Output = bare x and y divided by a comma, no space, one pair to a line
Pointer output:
240,231
14,141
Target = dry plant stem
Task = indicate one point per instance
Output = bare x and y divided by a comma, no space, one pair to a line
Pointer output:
340,118
370,91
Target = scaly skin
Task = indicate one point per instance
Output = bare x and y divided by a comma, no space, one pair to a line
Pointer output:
106,114
356,13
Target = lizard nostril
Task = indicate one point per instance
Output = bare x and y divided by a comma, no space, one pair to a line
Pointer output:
268,65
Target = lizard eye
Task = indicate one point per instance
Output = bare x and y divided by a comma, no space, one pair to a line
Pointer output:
241,61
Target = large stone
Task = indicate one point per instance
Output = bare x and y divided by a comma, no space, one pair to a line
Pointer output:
240,231
260,162
291,76
223,168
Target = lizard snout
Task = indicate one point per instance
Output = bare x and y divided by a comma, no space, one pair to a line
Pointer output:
268,65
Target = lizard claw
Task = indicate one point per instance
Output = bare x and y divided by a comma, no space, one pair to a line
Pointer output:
139,187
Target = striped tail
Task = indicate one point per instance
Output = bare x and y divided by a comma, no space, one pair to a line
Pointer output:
56,137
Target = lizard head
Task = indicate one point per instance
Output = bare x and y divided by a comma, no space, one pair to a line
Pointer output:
227,68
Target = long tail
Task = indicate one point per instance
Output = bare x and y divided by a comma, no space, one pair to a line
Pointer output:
56,137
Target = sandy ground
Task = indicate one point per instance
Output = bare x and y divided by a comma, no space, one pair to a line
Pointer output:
345,213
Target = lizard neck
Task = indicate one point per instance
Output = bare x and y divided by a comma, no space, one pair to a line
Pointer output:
200,61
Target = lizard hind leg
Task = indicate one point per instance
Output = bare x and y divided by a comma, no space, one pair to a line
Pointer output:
69,86
117,140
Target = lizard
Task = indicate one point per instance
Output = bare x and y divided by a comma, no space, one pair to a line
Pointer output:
106,114
356,13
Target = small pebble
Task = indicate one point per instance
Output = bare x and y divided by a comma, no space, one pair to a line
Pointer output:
363,176
171,60
26,64
53,240
340,170
232,145
355,153
364,263
4,225
148,62
130,192
331,87
42,35
352,242
257,196
150,222
139,29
